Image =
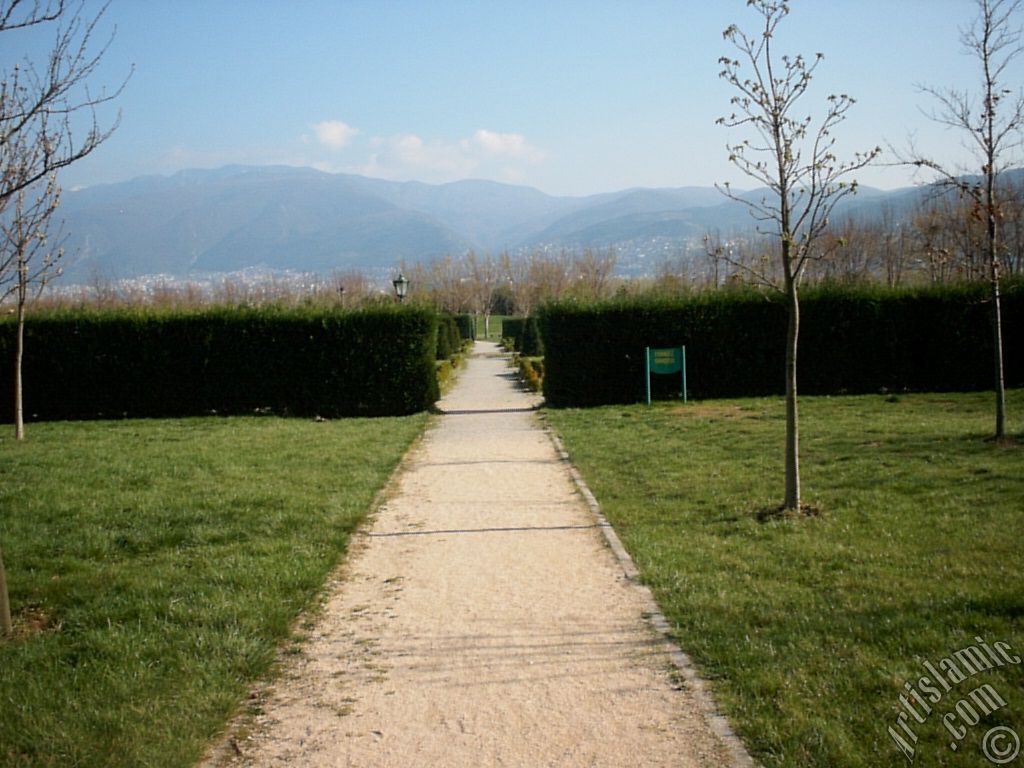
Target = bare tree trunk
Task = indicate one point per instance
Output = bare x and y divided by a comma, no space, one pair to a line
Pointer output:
19,349
792,417
6,627
995,126
997,340
992,206
803,190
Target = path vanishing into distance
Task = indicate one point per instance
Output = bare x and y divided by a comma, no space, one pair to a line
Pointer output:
481,619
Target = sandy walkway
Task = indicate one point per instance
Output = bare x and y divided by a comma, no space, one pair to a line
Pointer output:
482,621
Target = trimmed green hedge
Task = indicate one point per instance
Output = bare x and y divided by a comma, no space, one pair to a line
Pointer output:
851,341
304,362
512,328
467,327
449,340
525,331
531,344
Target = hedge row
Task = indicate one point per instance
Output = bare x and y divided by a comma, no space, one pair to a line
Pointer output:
452,332
512,328
229,361
851,341
449,341
525,334
467,327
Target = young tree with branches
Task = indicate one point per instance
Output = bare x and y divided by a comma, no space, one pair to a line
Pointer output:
797,163
484,274
991,120
28,262
25,260
40,101
44,106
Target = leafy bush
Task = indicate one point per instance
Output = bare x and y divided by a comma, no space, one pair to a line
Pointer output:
304,361
531,372
851,341
445,374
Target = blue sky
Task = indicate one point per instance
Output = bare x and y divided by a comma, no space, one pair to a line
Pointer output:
570,97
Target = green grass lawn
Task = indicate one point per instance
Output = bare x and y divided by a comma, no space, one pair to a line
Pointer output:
810,628
155,566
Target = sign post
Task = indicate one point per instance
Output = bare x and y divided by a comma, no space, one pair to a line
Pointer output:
666,360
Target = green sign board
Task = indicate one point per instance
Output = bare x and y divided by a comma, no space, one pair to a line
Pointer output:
665,361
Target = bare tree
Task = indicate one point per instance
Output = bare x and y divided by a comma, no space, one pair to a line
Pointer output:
442,282
550,276
933,244
39,102
537,277
804,177
515,272
351,288
1012,232
746,260
483,273
27,261
593,273
992,121
893,241
853,248
714,251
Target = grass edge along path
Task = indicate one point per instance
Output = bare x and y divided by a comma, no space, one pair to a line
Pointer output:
809,630
157,566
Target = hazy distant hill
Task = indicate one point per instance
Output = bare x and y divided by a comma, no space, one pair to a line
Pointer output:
304,220
233,218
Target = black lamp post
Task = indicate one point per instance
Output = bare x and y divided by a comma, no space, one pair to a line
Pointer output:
401,287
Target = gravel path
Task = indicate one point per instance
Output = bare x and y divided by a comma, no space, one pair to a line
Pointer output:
481,620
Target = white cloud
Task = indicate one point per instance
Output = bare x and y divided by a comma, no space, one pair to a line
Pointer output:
506,144
485,154
437,158
334,134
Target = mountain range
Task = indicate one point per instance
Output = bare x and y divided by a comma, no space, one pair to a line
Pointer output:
303,220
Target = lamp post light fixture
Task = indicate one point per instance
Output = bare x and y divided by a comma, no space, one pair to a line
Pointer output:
401,287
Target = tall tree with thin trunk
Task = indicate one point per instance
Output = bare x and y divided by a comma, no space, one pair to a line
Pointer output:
797,164
48,115
992,120
483,273
28,262
515,271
